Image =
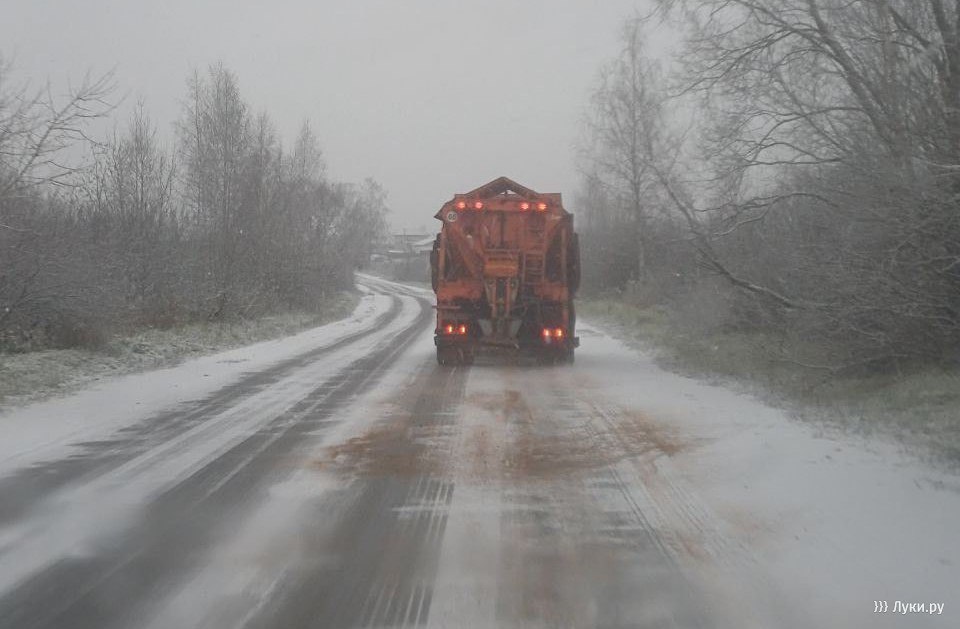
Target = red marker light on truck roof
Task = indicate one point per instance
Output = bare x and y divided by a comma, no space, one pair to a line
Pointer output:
478,205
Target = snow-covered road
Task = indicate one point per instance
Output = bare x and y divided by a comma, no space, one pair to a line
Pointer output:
340,478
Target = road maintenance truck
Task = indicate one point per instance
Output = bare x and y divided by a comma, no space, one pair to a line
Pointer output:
505,268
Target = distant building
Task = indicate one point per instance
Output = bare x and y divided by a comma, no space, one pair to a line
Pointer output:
405,256
409,245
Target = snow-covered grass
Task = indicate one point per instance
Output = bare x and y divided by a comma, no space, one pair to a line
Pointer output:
920,408
37,375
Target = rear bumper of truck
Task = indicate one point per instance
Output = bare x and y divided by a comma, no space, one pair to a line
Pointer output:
464,350
441,340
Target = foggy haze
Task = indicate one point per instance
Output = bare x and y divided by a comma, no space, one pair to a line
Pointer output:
242,384
428,98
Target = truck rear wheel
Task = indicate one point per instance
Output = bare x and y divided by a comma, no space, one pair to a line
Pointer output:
555,356
449,356
444,356
546,358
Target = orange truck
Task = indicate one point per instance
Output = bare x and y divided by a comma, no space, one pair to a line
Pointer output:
505,267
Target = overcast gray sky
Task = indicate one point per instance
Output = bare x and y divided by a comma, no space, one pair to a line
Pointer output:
428,97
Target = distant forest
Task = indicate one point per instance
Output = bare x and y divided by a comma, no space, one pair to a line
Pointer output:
791,169
229,223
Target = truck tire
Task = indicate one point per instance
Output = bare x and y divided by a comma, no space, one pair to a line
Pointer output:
434,264
444,357
573,263
545,358
452,356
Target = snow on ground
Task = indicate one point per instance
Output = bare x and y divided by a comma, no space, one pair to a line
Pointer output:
274,541
828,522
71,521
39,375
783,523
45,430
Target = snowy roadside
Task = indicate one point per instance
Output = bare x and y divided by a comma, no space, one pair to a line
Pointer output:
43,429
35,376
817,522
919,410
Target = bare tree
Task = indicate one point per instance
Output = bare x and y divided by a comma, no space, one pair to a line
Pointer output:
843,114
242,228
131,196
37,127
37,131
819,175
215,140
636,149
622,122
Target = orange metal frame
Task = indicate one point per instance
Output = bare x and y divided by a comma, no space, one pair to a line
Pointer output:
508,236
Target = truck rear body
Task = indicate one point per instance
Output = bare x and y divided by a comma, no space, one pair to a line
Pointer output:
505,267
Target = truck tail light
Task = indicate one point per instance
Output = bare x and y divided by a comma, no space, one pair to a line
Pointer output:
478,205
541,207
451,329
524,206
552,333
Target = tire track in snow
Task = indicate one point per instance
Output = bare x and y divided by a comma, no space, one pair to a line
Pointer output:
23,490
117,579
380,557
578,547
656,504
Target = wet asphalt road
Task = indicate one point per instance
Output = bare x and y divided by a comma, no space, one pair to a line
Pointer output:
380,490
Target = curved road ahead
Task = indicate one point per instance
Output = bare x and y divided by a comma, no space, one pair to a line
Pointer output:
349,481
